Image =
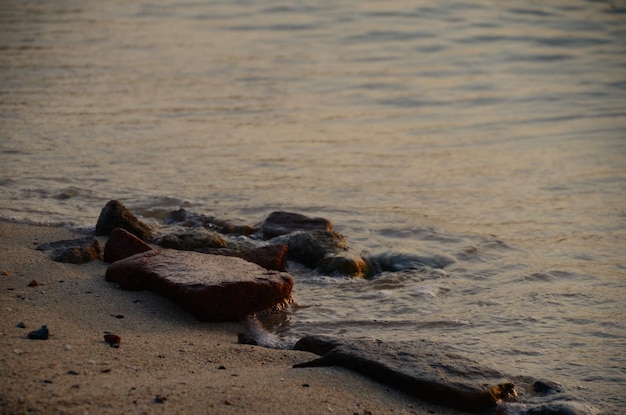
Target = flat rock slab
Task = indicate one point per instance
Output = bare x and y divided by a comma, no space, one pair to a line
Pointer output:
211,287
429,371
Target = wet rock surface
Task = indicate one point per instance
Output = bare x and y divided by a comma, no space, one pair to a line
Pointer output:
116,215
282,223
431,372
211,287
309,248
122,244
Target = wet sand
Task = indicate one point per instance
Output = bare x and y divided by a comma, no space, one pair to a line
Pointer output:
168,362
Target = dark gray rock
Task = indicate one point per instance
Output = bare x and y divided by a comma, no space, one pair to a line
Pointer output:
400,261
211,287
115,215
428,371
122,244
559,409
282,223
41,333
309,248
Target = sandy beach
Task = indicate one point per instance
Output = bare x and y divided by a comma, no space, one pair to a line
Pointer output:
167,363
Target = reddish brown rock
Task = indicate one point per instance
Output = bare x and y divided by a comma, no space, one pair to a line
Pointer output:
282,223
211,287
272,257
122,244
112,339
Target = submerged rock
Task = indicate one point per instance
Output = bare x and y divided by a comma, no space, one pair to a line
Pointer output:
122,244
309,248
272,257
282,223
428,371
115,215
211,287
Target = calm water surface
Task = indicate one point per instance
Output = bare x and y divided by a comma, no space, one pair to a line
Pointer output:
490,133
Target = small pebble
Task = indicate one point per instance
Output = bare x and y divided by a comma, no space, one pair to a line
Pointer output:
72,372
118,315
227,402
39,334
33,283
160,399
112,339
221,367
20,325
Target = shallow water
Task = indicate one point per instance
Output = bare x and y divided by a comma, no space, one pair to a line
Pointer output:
491,133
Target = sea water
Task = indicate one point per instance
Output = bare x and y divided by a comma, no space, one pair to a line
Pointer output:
490,133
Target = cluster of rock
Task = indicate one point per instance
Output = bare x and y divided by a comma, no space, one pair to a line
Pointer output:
223,271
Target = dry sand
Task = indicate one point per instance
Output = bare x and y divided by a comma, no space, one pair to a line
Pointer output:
168,362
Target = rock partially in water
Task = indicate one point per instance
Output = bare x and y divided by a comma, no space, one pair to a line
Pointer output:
74,251
282,223
271,257
184,218
211,287
122,244
188,239
429,371
560,409
309,248
401,261
346,265
115,215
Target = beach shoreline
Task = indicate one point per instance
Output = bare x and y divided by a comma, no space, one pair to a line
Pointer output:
167,361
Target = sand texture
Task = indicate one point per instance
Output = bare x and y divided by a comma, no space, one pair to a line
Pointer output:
168,362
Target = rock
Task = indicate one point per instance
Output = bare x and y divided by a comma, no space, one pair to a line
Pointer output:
428,371
560,409
115,215
309,248
188,239
33,283
188,219
272,257
39,334
546,387
112,339
20,325
211,287
400,261
346,265
282,223
243,338
122,244
74,251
